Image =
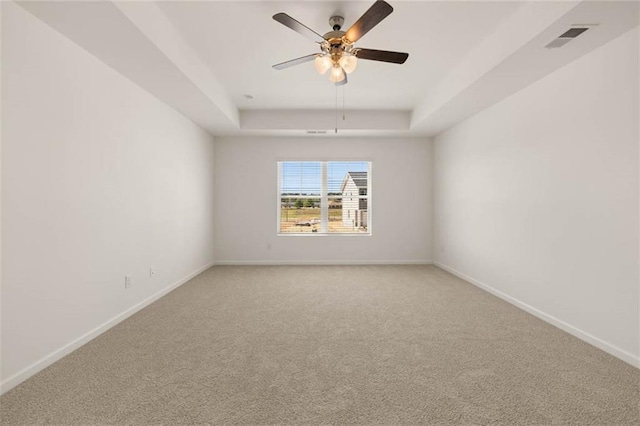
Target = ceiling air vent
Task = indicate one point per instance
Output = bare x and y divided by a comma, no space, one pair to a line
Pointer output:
567,36
316,132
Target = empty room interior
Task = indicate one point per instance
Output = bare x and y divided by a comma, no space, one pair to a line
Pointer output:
320,212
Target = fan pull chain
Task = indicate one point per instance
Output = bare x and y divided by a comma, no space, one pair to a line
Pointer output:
344,89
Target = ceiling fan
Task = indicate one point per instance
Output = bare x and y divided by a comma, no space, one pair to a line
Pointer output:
337,51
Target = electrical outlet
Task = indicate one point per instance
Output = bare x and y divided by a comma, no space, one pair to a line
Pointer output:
152,271
128,282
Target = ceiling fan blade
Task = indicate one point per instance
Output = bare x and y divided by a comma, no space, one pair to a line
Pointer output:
296,26
372,17
343,82
297,61
382,55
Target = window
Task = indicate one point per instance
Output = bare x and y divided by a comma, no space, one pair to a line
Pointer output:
324,197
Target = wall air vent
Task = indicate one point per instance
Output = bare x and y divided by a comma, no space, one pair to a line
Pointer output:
567,36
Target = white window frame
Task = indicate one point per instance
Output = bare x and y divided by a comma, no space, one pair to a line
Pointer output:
324,201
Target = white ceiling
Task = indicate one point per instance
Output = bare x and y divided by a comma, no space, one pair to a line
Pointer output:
240,42
202,57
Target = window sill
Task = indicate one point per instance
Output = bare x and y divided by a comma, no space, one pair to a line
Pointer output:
319,234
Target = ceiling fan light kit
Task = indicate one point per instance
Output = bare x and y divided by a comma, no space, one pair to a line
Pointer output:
323,63
337,51
337,74
348,62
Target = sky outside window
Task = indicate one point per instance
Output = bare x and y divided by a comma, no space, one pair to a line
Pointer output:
305,177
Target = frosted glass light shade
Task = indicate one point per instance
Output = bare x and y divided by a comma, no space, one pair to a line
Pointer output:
322,63
348,62
337,74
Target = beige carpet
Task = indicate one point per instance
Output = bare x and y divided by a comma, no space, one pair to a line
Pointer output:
330,345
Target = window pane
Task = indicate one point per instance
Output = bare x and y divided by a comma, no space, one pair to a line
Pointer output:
299,215
347,183
301,178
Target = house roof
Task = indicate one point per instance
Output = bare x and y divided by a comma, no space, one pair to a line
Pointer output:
359,178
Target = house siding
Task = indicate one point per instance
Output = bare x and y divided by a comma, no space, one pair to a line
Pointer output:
354,209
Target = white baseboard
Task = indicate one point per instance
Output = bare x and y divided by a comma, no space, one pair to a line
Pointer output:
319,262
582,335
41,364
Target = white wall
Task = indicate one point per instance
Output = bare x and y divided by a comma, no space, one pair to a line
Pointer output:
246,201
537,198
99,180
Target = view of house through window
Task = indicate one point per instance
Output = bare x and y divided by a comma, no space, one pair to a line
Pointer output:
324,197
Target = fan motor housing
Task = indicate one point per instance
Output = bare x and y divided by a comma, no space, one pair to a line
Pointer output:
334,37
